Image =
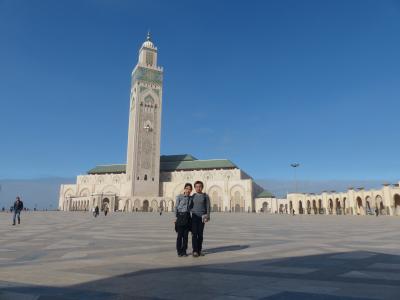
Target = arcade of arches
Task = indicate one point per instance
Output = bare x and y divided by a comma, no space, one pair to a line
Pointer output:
141,204
375,202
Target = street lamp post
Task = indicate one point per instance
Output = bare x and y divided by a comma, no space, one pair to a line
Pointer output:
295,166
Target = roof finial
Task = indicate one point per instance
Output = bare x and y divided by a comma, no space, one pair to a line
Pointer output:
148,35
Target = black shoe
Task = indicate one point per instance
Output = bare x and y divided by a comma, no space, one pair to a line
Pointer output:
180,255
13,224
184,254
195,254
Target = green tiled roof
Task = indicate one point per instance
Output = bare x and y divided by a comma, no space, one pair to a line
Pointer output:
196,165
179,157
169,163
106,169
265,194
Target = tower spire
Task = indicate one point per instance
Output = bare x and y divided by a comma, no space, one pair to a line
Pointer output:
143,151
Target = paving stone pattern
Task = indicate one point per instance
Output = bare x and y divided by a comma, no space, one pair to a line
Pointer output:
71,255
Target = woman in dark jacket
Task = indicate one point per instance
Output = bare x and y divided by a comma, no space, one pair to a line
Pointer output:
182,220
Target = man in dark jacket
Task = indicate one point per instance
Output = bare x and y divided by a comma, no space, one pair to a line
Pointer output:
200,209
17,208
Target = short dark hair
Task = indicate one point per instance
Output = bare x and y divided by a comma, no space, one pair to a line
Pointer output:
188,184
199,182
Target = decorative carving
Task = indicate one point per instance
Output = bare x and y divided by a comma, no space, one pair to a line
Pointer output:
149,100
146,153
187,176
228,175
146,146
149,75
116,180
149,58
207,176
145,163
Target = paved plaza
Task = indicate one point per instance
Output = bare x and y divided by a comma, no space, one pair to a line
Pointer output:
67,255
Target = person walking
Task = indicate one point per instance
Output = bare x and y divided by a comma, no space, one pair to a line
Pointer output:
200,210
96,211
17,208
182,219
105,210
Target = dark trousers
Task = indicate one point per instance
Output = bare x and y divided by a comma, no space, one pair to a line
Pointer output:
197,233
182,239
17,213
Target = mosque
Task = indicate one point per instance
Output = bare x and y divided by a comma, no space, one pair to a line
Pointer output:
150,182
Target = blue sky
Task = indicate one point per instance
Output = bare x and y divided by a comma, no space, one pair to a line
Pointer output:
263,83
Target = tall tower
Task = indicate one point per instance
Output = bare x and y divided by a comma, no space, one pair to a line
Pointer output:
143,154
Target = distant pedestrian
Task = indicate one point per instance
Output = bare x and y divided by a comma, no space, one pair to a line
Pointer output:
182,219
17,208
96,211
200,215
376,211
105,210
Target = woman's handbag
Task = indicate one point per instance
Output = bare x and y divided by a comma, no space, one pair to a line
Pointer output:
183,219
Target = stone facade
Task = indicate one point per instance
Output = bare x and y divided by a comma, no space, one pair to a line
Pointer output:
272,205
229,191
352,202
355,201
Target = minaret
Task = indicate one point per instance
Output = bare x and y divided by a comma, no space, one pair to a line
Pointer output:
143,154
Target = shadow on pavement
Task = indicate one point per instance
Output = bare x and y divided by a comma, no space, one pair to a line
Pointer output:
333,276
226,248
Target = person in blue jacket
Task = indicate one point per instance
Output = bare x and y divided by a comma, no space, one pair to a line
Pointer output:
17,208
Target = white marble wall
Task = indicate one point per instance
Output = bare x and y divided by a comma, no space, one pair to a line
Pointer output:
227,191
226,188
272,205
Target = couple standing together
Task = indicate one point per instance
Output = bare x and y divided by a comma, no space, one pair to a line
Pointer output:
192,212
